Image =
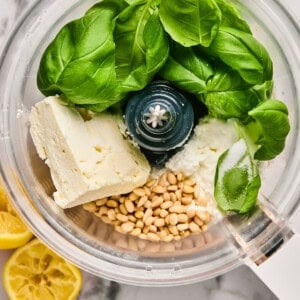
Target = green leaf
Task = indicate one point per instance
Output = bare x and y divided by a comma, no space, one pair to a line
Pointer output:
228,95
237,180
231,17
80,62
269,128
243,53
142,45
186,69
191,22
264,91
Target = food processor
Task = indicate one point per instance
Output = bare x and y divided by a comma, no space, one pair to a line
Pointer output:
270,232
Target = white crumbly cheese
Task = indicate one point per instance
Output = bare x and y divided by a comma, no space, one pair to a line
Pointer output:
88,160
200,155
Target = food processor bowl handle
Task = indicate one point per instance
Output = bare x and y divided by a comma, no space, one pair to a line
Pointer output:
272,248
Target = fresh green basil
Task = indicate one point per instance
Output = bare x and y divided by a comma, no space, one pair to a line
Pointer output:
142,45
264,91
243,53
191,22
80,62
187,69
269,128
228,95
237,179
231,17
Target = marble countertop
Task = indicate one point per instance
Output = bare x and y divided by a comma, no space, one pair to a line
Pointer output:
240,284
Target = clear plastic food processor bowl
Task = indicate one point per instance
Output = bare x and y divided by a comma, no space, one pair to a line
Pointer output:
94,246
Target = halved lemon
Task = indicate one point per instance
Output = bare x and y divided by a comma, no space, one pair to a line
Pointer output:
13,232
34,272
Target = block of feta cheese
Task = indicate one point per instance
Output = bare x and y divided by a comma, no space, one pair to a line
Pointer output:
88,159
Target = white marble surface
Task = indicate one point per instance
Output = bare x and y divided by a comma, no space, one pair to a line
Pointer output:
240,284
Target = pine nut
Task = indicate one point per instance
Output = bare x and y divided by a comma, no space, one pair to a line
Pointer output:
194,227
129,206
179,209
147,214
157,201
147,191
173,219
153,237
152,228
122,218
139,224
159,222
123,209
182,218
150,183
148,204
173,197
101,202
178,195
158,189
163,180
169,238
142,201
182,227
127,227
167,197
139,192
201,215
186,200
136,231
122,199
111,214
149,221
172,178
156,212
112,203
179,176
103,210
172,188
143,237
198,221
163,213
191,212
146,229
133,196
173,229
139,214
166,204
188,189
190,182
132,218
90,206
105,219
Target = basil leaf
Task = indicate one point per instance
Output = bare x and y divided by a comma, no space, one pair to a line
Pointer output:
231,17
264,91
186,69
270,128
80,61
191,22
228,95
243,53
141,45
237,179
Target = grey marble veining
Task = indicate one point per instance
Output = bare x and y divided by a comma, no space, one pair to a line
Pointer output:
240,284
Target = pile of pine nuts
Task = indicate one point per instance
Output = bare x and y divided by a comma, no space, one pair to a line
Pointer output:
164,209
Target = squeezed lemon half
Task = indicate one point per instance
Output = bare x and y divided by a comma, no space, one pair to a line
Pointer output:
13,232
34,272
